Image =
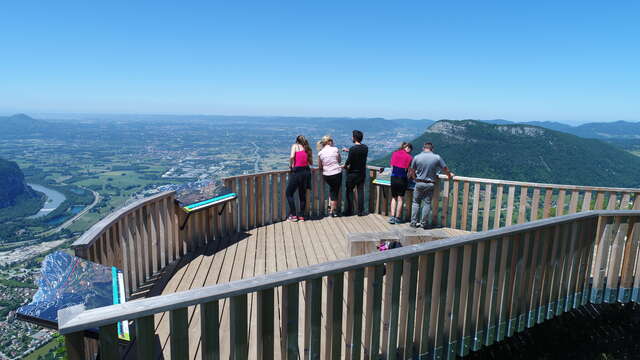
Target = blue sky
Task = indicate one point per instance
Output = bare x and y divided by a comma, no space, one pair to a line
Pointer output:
570,61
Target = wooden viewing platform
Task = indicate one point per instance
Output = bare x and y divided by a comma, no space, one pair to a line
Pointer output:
236,281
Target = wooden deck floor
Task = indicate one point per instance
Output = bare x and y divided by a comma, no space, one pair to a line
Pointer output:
263,250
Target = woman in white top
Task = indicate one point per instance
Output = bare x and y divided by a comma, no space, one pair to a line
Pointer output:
329,163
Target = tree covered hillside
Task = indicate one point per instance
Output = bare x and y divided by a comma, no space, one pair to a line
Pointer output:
528,153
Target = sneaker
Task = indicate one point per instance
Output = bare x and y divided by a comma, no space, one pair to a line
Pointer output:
335,214
398,220
362,214
392,220
292,218
428,226
414,225
300,218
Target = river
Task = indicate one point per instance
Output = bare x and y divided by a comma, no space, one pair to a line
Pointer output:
54,199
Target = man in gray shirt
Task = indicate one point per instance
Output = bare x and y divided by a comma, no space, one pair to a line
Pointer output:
424,169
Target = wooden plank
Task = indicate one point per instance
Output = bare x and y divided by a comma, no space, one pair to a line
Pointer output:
238,327
548,196
490,317
600,263
522,211
533,282
353,334
560,202
504,284
454,206
629,259
179,334
554,272
498,213
625,201
465,206
615,263
283,195
476,205
251,201
145,338
109,348
535,204
209,330
438,291
510,201
243,204
486,213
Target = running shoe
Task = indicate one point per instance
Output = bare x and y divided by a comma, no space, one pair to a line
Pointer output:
392,220
292,218
300,218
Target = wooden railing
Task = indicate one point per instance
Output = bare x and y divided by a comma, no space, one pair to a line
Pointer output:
432,300
476,204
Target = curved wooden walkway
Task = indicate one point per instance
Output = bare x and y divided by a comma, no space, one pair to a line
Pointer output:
272,248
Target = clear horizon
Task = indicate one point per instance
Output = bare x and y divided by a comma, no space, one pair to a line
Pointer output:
571,62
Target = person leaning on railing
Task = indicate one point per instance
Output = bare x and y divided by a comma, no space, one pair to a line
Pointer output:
356,166
329,164
424,168
300,159
400,162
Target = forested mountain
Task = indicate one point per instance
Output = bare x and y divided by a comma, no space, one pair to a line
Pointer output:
13,188
528,153
596,130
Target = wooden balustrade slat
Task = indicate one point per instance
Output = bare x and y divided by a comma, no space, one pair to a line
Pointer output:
491,292
486,207
514,285
451,314
498,212
275,210
465,205
545,260
315,185
585,240
445,203
373,311
555,273
251,202
209,330
636,202
290,305
615,263
586,201
283,195
260,210
478,318
139,245
179,324
574,266
476,206
353,333
613,199
423,304
439,293
600,263
503,285
313,318
333,314
265,324
131,254
108,340
624,202
565,262
408,308
244,207
548,196
393,282
629,260
148,240
145,337
522,209
435,203
454,205
74,345
535,204
526,271
466,299
599,200
238,327
510,201
573,203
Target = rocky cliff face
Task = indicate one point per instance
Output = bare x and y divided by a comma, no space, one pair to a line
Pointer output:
12,183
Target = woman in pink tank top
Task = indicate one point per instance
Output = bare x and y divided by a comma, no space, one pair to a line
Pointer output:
301,157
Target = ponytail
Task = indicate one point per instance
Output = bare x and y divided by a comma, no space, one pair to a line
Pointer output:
305,144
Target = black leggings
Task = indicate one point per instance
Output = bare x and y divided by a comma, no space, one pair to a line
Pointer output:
298,181
334,182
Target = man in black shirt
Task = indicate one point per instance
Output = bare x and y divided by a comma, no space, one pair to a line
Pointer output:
356,166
